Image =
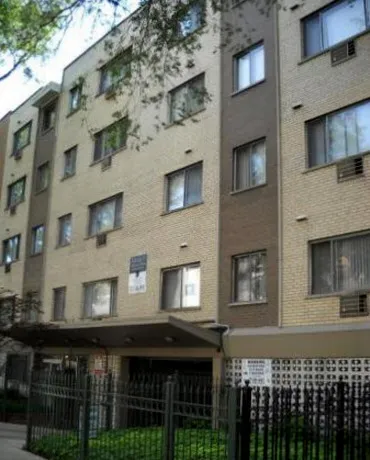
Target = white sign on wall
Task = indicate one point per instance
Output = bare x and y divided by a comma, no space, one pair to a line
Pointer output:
257,371
137,276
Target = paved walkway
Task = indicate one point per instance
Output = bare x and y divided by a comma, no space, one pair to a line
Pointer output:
12,439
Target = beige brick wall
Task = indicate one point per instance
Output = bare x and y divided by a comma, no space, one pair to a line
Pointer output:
140,176
14,170
331,208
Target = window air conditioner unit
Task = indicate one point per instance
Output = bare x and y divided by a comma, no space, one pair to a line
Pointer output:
101,239
343,52
106,163
350,168
110,93
353,305
13,210
7,267
18,154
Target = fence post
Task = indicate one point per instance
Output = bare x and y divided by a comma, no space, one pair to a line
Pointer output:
169,419
29,410
245,426
85,422
109,408
232,419
340,420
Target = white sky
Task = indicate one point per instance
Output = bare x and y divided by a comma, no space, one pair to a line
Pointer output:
81,34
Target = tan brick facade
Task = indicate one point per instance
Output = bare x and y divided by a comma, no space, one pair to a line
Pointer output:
331,208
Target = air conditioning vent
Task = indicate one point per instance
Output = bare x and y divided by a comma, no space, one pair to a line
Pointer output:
110,93
18,155
13,210
353,305
7,268
106,163
343,52
101,239
350,168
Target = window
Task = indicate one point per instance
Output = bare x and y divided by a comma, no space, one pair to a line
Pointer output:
250,277
100,298
340,264
75,98
181,287
110,139
16,192
70,162
105,215
249,165
59,303
48,118
42,177
115,71
37,239
192,19
331,25
22,138
184,187
249,67
11,249
339,134
187,99
65,230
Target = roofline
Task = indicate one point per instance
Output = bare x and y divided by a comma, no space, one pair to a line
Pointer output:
100,39
5,116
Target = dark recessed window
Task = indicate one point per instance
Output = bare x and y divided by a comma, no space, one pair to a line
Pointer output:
38,234
22,138
115,71
69,167
338,22
181,287
16,192
184,187
48,117
42,177
340,264
105,215
11,248
187,99
339,134
111,139
249,165
249,67
65,230
100,298
250,277
192,18
75,98
59,303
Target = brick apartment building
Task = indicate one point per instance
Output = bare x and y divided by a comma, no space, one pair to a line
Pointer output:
242,236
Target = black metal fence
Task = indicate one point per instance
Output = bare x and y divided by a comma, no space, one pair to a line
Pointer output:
100,418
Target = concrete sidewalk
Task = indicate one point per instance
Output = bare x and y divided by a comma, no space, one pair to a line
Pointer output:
12,439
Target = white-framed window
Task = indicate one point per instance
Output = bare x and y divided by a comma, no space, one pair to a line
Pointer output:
184,187
192,19
69,166
59,303
38,234
340,264
75,96
11,248
250,277
65,230
181,287
249,67
42,177
16,192
339,134
100,298
22,138
339,21
249,165
105,215
187,99
110,139
115,71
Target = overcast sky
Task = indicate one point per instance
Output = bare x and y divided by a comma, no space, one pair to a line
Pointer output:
81,34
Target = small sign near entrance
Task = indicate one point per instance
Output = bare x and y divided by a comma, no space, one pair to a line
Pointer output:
258,372
137,276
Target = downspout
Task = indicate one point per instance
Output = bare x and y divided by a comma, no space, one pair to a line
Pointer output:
279,166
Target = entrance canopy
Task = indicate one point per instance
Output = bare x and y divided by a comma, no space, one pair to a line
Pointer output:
155,333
